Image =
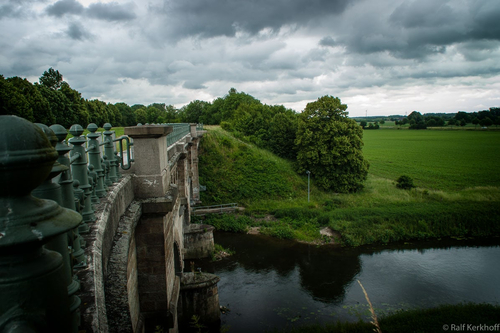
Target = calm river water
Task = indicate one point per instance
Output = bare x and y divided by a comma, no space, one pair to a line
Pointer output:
273,283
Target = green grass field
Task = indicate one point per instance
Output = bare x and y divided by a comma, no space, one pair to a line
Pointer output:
444,160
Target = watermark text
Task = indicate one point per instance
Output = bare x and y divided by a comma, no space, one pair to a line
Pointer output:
471,328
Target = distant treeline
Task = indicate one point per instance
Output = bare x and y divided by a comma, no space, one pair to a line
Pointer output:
52,100
418,121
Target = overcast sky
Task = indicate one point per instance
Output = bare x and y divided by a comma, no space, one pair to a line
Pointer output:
380,57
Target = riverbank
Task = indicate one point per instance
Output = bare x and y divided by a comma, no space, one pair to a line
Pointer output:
234,171
380,214
461,317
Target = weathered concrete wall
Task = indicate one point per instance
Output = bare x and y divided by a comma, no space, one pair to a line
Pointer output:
151,266
121,285
99,243
199,296
150,167
193,159
133,287
198,241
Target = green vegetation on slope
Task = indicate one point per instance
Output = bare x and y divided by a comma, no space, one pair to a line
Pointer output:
234,171
381,213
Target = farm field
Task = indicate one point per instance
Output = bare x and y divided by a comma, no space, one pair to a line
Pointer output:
443,160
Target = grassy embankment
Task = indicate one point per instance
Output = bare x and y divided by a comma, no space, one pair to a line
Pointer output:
439,319
458,188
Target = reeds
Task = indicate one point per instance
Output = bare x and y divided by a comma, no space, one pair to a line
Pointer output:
374,316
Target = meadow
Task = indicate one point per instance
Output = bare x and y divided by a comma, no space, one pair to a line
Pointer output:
443,160
457,194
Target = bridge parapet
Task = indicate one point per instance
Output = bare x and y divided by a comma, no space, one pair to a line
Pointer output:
53,218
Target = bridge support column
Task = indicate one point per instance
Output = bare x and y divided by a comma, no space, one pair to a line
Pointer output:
152,176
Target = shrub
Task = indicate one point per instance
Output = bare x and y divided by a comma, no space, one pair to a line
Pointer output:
405,183
279,231
228,222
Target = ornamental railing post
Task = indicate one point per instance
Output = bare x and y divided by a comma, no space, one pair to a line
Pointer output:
34,295
79,168
109,152
95,159
52,191
66,182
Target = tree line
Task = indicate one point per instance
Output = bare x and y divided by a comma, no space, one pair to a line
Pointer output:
53,101
483,118
322,139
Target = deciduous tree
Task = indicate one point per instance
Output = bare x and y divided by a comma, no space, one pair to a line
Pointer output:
51,79
329,145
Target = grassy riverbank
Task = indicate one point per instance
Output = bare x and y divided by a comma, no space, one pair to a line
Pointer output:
440,319
454,196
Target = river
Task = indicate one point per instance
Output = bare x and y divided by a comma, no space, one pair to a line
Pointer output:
271,283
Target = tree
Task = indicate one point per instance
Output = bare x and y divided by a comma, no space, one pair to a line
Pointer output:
13,102
475,121
282,134
486,122
416,120
51,79
127,114
363,124
329,145
38,104
59,104
192,112
77,107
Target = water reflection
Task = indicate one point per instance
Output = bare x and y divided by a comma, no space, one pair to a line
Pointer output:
273,283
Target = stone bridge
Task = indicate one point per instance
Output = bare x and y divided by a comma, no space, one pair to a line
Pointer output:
111,260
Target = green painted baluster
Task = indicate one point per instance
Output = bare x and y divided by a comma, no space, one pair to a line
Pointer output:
109,152
33,288
93,182
52,191
95,159
79,168
66,182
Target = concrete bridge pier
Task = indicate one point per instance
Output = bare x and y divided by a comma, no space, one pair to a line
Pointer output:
163,177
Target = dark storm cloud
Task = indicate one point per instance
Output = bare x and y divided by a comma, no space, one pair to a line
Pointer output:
327,41
418,29
224,18
16,8
78,32
112,11
102,11
193,85
63,7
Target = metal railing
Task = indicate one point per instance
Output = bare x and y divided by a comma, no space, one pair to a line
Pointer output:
215,209
180,131
45,296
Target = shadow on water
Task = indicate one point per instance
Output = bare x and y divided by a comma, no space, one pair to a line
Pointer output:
276,283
